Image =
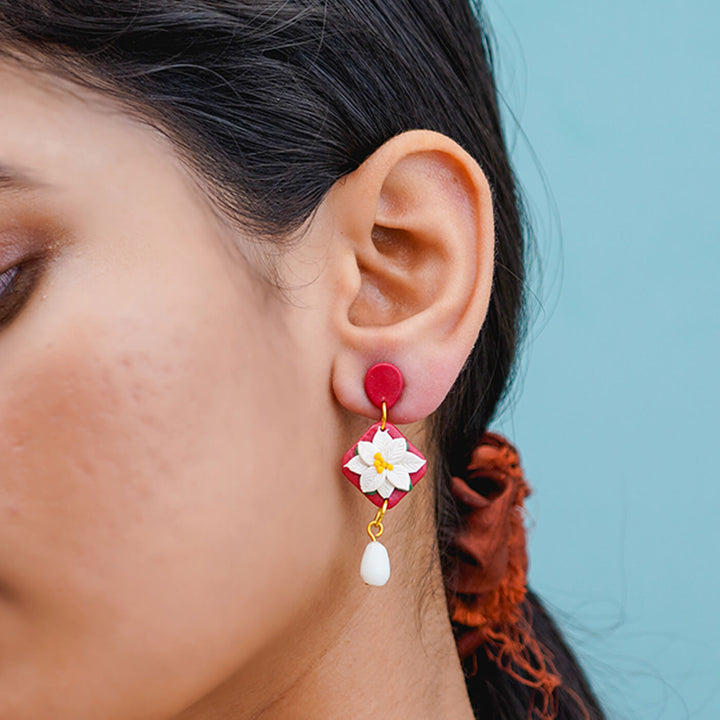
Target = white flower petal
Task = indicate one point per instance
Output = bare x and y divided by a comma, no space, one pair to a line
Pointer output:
400,478
383,442
371,479
412,462
397,451
356,465
366,451
386,489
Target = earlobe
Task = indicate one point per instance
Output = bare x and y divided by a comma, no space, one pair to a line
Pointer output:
417,220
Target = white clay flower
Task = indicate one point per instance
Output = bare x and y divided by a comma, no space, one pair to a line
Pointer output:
384,464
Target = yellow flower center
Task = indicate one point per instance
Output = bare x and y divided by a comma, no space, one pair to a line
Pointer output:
380,463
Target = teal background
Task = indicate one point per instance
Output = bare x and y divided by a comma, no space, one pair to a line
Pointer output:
615,412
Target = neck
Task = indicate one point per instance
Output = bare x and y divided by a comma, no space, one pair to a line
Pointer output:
357,652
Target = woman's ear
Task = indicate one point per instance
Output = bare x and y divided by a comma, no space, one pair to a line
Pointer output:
413,271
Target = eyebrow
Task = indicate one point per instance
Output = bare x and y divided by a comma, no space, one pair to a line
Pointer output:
14,178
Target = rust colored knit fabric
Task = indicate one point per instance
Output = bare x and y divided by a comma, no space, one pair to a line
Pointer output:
486,593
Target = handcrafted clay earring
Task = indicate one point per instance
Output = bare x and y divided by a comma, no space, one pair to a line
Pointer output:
384,465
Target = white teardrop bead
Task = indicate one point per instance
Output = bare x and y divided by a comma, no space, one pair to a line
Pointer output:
375,565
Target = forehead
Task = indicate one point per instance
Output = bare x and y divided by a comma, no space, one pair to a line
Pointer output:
80,154
79,157
54,133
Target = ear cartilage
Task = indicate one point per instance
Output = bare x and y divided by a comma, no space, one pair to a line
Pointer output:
384,465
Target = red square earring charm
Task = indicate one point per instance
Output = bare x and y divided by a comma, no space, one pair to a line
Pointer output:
384,465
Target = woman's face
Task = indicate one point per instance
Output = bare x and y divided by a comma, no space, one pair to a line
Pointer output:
166,424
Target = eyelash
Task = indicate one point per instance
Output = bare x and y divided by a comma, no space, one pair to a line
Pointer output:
16,286
6,283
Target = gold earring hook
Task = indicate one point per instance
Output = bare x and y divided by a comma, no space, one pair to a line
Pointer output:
376,522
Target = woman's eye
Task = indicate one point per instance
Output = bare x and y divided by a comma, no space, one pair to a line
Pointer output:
6,279
16,285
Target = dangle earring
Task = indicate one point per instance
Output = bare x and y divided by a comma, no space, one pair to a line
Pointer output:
384,465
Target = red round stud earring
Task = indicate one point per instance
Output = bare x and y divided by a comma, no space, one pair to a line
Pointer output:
384,465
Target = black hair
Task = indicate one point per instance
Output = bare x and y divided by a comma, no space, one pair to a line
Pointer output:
270,102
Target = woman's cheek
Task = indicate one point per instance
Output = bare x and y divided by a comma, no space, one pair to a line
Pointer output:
154,471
